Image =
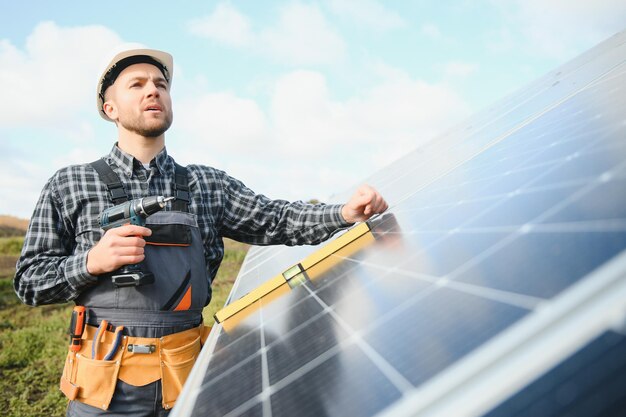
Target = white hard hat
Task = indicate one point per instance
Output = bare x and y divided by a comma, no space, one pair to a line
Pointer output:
161,60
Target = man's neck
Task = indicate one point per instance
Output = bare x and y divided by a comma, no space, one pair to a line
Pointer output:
142,148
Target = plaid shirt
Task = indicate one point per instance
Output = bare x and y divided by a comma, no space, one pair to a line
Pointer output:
64,226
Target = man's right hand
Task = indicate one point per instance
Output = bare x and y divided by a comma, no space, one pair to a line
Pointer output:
119,246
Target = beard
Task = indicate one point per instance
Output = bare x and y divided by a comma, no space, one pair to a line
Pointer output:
147,128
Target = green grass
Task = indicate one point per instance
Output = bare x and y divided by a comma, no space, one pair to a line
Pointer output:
234,254
10,248
11,245
33,340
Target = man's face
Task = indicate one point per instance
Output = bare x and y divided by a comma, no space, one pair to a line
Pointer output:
140,100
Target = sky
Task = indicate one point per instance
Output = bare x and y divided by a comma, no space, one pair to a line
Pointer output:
298,99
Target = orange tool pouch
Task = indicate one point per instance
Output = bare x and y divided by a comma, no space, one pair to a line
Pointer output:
92,381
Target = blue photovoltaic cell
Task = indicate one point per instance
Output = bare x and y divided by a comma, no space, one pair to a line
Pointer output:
524,265
231,388
590,383
303,345
487,225
229,356
359,389
439,336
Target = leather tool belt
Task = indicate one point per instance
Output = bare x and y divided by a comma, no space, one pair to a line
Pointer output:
138,361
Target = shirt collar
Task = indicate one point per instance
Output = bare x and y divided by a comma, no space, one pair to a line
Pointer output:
126,162
162,161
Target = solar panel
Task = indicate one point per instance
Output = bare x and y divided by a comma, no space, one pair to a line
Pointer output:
491,285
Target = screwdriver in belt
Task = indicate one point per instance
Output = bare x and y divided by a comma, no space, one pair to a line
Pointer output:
77,327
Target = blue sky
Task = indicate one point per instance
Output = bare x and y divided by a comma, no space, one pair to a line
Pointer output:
298,99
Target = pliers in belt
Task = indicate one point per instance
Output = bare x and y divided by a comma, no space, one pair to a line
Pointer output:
117,339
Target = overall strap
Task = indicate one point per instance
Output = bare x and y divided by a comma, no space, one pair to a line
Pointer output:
118,194
111,180
181,189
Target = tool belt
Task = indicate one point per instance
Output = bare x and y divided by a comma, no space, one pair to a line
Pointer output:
90,378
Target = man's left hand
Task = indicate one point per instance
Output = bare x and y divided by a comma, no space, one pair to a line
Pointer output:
365,202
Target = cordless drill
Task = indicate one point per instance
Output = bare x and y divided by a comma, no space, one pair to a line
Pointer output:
132,212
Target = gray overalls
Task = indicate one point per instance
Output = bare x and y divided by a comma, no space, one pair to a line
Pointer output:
172,304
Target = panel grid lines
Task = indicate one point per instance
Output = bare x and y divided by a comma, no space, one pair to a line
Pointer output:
507,297
490,229
389,371
494,142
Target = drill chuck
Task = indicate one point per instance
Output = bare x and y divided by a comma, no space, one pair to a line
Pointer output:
150,205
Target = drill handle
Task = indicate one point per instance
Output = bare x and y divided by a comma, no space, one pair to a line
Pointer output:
115,224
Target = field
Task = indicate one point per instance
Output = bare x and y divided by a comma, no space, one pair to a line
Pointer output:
33,340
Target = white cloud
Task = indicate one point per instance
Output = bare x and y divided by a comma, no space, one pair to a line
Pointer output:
19,193
368,12
459,69
560,28
308,141
401,113
48,102
225,25
84,153
397,112
44,84
220,122
305,119
301,36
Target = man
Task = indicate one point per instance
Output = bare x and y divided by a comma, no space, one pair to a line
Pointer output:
141,340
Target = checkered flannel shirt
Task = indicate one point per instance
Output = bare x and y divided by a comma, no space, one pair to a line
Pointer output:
53,265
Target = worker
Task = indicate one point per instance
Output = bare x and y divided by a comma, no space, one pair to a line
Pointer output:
67,256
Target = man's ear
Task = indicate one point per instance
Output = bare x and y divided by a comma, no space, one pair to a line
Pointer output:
110,109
